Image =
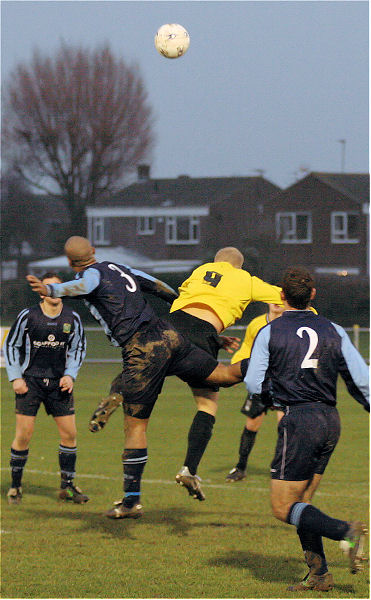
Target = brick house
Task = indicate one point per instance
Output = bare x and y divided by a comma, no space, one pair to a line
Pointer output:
322,221
170,218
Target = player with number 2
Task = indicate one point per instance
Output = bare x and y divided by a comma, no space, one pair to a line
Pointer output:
304,353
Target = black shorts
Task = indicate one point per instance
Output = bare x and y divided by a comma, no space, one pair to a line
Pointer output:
48,392
199,332
155,351
307,436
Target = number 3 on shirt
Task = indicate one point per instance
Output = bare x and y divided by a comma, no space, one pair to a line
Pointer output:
309,363
130,288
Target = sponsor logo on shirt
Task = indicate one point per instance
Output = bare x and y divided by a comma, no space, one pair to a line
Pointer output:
51,342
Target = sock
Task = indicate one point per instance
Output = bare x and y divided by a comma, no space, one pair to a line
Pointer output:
244,366
198,437
18,459
67,462
134,461
306,516
313,551
246,444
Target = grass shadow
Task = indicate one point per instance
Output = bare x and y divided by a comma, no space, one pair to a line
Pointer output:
32,489
174,519
280,569
251,470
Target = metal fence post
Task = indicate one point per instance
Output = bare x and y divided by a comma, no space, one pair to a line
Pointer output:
356,336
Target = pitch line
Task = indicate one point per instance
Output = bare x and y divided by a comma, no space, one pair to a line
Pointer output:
205,483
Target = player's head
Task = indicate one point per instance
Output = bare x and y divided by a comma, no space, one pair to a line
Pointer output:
298,287
50,277
80,252
275,310
231,255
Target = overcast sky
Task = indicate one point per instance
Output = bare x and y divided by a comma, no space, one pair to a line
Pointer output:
264,85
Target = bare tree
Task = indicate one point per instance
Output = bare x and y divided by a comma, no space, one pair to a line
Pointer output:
76,124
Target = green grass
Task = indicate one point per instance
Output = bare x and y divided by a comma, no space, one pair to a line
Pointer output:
98,346
226,547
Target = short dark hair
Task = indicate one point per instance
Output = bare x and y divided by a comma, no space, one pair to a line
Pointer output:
297,285
50,275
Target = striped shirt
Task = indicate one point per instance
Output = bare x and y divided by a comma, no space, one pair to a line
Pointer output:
42,346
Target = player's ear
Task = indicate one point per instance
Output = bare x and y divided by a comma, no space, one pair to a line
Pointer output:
313,293
283,297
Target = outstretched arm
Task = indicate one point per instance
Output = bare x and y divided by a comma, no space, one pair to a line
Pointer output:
37,285
76,287
154,286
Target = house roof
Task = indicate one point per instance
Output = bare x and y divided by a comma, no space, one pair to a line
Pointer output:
184,191
121,256
353,185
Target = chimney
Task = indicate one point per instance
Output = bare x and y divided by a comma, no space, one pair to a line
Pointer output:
143,173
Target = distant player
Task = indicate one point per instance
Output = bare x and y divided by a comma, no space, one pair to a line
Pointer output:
43,353
213,297
151,350
303,354
252,426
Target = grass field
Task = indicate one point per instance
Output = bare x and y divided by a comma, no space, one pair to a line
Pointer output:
226,547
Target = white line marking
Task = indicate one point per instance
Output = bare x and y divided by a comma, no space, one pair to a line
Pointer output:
226,486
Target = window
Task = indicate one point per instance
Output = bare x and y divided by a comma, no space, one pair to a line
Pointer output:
294,227
344,228
101,231
182,230
145,225
9,270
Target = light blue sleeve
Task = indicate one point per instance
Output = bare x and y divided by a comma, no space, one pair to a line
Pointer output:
76,349
355,363
76,287
259,361
12,344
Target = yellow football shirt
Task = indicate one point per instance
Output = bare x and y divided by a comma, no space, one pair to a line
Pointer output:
226,290
252,331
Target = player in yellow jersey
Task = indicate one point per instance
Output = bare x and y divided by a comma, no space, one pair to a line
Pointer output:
252,426
210,300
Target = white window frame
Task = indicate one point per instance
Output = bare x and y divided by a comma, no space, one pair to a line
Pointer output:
341,271
9,270
293,229
99,231
171,231
146,225
343,231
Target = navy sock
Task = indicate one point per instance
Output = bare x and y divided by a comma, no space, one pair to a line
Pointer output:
133,460
18,459
67,464
306,516
244,366
313,549
246,444
198,438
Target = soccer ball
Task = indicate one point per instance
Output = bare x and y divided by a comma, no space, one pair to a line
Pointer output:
172,40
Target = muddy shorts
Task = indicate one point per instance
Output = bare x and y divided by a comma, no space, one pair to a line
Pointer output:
202,334
155,351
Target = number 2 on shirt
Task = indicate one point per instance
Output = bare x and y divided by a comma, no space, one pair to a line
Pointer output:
308,362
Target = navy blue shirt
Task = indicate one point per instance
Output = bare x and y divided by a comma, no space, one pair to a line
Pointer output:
303,354
113,294
44,346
